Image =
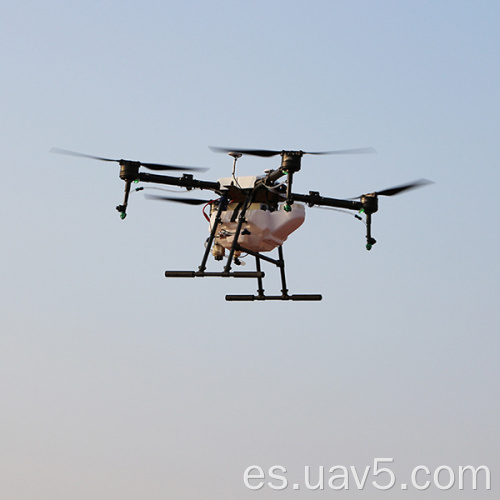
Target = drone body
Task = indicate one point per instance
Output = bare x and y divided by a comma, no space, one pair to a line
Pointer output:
250,215
263,229
267,224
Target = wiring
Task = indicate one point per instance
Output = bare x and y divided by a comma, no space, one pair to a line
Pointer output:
205,207
346,212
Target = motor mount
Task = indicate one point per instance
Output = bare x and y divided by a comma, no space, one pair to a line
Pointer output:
370,203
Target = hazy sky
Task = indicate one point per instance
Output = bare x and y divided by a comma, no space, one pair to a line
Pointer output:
116,383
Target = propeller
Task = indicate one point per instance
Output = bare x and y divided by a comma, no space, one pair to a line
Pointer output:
404,187
399,189
270,152
186,201
151,166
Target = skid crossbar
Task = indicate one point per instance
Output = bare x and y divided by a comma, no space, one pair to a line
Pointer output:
202,274
251,298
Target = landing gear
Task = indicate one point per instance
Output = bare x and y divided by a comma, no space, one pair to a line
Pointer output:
235,250
280,264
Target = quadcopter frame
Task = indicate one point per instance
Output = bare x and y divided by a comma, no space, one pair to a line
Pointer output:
264,190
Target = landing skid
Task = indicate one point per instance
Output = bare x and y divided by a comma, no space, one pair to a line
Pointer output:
235,298
202,274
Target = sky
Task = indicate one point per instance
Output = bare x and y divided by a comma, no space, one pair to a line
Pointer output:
117,383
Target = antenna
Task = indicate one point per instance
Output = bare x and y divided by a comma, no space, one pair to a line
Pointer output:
235,156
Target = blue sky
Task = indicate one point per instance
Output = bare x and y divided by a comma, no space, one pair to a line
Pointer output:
118,383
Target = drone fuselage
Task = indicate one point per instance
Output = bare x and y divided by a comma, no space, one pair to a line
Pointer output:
264,228
267,221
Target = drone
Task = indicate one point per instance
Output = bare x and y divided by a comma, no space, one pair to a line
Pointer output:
249,215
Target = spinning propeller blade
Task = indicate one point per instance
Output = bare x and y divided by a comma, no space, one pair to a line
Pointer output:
399,189
269,152
356,151
151,166
404,187
186,201
60,151
254,152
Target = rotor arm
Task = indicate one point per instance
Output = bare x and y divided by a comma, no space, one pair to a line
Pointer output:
314,198
273,176
368,204
187,181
